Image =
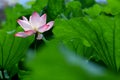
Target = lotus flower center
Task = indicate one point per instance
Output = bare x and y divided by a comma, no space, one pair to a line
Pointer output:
35,29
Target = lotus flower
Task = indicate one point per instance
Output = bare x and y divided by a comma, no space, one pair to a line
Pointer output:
36,25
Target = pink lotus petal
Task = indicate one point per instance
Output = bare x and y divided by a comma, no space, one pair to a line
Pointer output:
24,24
35,20
24,18
25,34
21,34
43,20
50,25
46,27
39,37
30,32
43,28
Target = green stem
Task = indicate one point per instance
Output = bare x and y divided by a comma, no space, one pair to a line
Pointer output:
35,45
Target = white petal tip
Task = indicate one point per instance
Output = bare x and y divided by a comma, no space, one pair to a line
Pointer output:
21,34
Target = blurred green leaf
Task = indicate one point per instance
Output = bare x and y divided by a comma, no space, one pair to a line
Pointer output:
86,3
73,9
106,30
116,41
54,8
112,7
12,49
39,5
52,63
31,2
93,11
100,32
68,31
64,29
